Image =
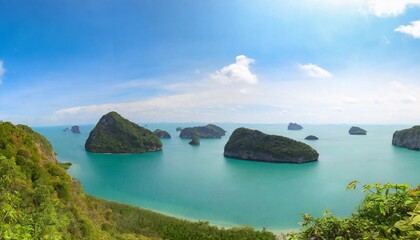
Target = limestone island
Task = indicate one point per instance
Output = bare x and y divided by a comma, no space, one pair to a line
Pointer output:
208,131
407,138
294,126
115,134
162,134
357,131
253,145
195,142
75,129
178,129
311,137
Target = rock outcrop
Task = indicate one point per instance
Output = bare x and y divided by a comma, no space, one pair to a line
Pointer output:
75,129
178,129
254,145
115,134
311,137
407,138
294,126
208,131
357,131
195,142
162,134
66,129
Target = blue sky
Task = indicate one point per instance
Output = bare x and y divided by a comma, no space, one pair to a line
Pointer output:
271,61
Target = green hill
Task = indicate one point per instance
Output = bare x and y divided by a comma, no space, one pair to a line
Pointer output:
115,134
253,145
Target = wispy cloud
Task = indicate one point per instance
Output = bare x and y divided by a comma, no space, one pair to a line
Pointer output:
314,71
2,71
413,29
390,8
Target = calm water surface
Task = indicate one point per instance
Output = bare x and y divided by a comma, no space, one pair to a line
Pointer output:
199,183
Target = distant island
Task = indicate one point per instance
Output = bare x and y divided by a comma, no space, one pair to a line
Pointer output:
75,129
311,137
208,131
294,126
115,134
248,144
195,142
407,138
357,131
162,134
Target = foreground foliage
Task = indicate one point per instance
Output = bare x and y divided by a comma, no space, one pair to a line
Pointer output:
390,211
39,200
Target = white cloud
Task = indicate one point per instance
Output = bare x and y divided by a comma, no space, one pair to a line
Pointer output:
2,71
364,98
412,29
314,71
388,8
238,72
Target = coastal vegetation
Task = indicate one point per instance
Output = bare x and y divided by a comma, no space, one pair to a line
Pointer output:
248,144
39,200
389,211
115,134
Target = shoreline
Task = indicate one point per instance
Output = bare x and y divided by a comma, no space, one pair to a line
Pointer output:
219,224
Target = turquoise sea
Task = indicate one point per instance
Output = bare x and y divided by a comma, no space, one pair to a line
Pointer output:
199,183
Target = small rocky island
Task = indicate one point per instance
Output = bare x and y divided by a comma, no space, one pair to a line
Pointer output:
115,134
162,134
357,131
75,129
208,131
195,142
294,126
178,129
253,145
407,138
311,137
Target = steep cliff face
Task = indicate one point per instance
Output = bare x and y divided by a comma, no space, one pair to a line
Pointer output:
208,131
254,145
115,134
407,138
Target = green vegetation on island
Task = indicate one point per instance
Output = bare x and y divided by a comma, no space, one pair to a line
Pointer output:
407,138
162,134
195,142
208,131
39,200
390,211
248,144
115,134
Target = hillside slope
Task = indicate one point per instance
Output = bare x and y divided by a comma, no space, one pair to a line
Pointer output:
39,200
